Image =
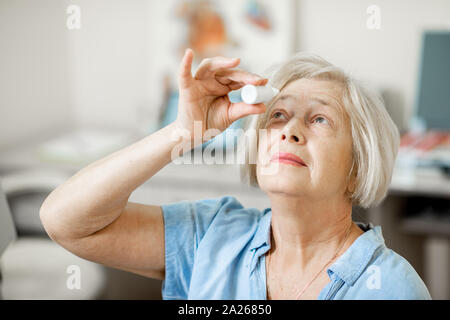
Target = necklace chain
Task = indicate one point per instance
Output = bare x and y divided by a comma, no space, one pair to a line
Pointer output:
312,280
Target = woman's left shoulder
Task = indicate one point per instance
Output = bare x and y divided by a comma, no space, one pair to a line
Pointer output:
391,276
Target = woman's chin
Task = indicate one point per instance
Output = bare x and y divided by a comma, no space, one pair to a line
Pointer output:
282,184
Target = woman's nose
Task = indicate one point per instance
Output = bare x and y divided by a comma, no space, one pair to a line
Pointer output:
295,138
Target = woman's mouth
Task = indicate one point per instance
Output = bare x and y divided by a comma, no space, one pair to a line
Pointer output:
288,158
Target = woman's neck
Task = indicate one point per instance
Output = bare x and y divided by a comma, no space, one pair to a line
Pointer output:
306,233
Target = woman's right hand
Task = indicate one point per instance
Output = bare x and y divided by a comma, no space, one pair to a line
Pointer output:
204,97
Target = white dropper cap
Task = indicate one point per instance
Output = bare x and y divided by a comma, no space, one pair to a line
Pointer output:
251,94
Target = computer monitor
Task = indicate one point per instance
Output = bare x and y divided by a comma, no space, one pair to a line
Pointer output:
433,91
7,228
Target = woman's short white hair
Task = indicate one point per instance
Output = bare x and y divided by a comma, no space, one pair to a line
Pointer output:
375,136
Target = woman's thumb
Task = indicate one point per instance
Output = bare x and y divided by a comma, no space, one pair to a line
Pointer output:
184,75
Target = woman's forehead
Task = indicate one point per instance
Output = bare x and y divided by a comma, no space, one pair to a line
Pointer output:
313,89
314,92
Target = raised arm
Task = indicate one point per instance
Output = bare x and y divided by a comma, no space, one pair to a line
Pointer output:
90,214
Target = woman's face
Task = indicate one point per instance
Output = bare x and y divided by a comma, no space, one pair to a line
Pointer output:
307,119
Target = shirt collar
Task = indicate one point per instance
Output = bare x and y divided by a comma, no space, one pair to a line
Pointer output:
262,234
350,265
355,259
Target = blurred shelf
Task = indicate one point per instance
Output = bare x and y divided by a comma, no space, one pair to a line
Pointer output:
420,181
66,151
426,226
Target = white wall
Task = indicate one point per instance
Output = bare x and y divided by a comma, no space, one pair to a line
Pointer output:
34,92
138,38
52,77
124,48
387,58
108,62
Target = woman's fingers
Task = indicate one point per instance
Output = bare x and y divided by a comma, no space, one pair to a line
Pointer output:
237,75
236,79
220,69
241,109
185,76
209,66
238,85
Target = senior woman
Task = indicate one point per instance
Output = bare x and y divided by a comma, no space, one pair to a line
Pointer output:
330,145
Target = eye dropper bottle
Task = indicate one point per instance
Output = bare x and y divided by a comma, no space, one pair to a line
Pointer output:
251,94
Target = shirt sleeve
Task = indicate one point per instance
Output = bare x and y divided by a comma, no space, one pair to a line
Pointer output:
185,224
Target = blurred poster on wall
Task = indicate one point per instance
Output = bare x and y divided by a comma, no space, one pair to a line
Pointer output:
259,32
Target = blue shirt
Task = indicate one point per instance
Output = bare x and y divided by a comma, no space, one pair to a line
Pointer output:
215,249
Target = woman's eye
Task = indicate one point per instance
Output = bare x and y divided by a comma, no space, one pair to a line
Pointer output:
277,114
320,118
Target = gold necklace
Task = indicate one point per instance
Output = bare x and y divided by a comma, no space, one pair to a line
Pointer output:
312,280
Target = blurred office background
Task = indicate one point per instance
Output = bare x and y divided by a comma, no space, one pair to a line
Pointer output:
82,78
